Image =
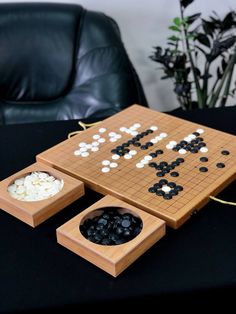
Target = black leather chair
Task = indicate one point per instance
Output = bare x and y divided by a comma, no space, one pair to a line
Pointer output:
60,61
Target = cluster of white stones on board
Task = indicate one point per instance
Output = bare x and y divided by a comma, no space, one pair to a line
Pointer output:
85,148
124,151
192,143
108,165
132,130
35,186
114,136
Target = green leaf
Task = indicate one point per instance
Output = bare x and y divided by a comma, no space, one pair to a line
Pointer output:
174,28
177,21
174,38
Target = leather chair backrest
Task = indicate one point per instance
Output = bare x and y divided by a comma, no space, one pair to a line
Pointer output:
59,61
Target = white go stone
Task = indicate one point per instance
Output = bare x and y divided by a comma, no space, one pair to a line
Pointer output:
144,162
153,140
94,149
169,146
111,134
134,133
101,140
123,129
154,128
89,146
83,149
139,165
163,135
95,143
147,157
82,144
113,165
166,188
115,157
96,136
35,186
200,131
102,130
128,156
113,139
173,143
137,125
85,154
106,162
132,152
182,151
204,149
187,139
105,169
77,152
192,136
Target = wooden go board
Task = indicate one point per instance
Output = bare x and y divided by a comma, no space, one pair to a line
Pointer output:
136,179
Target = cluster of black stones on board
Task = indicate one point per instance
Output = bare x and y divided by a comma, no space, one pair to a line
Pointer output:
111,227
170,189
164,167
165,188
123,149
218,164
193,145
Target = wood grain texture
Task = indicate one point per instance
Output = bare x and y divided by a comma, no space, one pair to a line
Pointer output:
34,213
112,259
131,184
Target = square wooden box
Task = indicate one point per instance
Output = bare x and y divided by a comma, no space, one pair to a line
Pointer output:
35,212
111,258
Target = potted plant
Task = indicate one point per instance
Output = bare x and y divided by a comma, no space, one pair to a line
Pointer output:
200,58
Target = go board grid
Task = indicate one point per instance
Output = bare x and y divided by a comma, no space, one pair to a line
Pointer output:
130,183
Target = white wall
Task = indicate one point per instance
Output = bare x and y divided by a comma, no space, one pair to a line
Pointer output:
144,24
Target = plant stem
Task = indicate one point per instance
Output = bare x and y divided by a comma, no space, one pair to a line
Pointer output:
228,71
228,83
198,87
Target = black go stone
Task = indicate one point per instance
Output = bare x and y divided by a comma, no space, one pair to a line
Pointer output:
167,196
171,184
159,152
160,174
111,228
225,152
203,159
160,193
220,165
152,164
157,185
203,169
196,133
180,160
152,189
143,147
174,174
163,182
163,163
153,155
178,188
137,144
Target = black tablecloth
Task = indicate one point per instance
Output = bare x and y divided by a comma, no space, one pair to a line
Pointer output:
197,262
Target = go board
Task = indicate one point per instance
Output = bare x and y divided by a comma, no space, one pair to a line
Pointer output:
161,164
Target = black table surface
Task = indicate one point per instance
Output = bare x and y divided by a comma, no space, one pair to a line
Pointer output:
195,263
